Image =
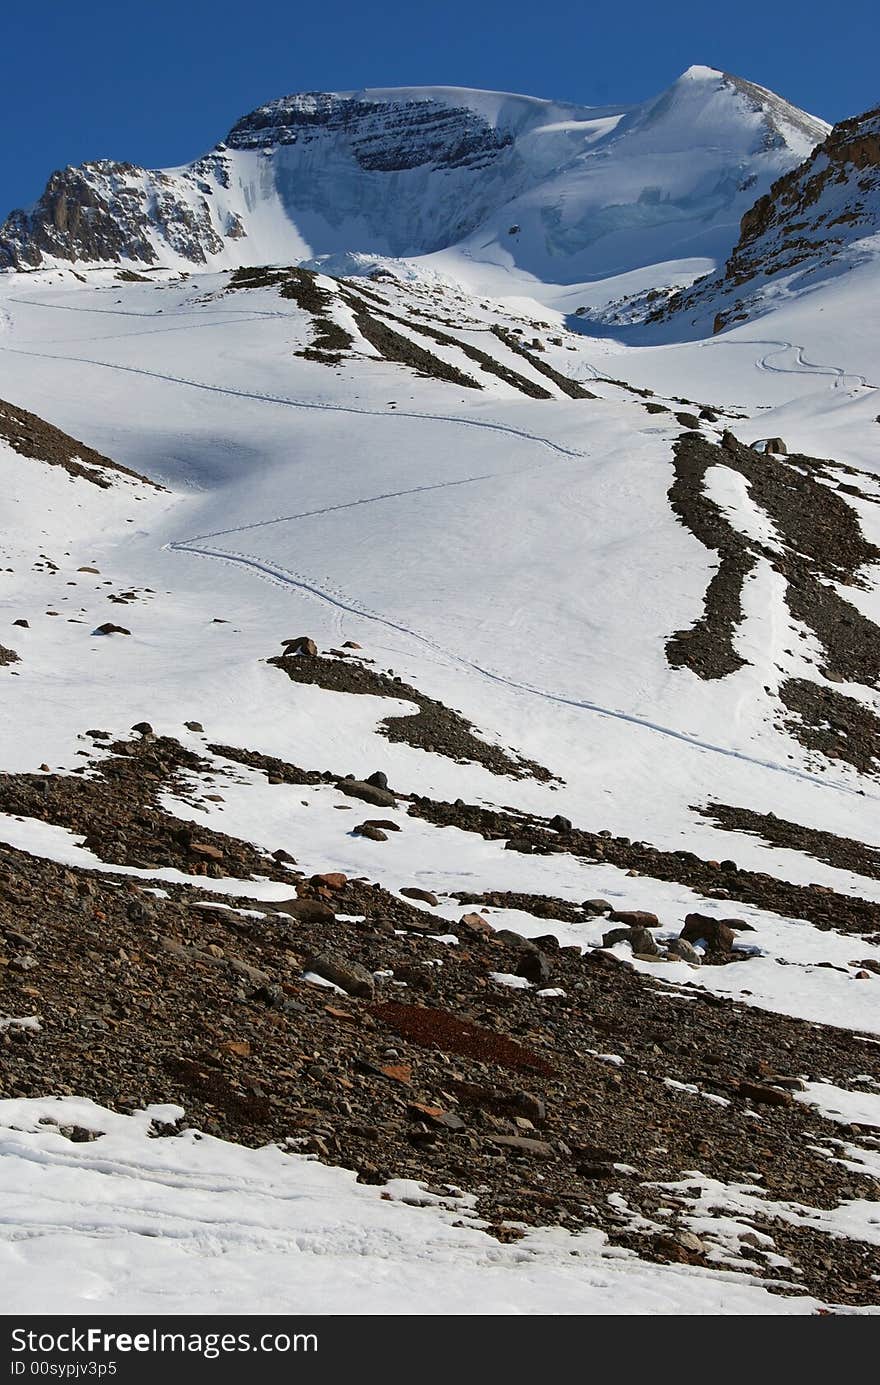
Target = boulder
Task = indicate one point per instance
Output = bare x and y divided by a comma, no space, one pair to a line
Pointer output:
370,831
474,923
349,976
535,966
634,918
303,644
367,793
414,892
308,910
684,951
715,933
767,1096
330,880
594,907
641,940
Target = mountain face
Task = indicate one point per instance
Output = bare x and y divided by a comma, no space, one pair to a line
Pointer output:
816,220
560,191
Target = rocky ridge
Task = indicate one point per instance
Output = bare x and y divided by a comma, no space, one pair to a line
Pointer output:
812,220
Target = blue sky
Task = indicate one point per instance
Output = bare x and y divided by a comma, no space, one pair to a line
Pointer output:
160,82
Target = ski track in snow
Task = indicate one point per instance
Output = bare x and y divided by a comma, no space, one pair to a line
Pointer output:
273,572
344,505
256,313
801,365
282,577
314,405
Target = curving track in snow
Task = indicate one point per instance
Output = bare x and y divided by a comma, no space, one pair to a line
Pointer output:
310,404
800,365
273,572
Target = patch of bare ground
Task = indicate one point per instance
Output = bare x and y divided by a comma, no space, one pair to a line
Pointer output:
845,853
821,548
114,806
429,1069
824,907
31,436
572,388
393,346
434,727
831,723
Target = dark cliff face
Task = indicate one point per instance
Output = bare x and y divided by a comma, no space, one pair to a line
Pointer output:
74,220
108,212
810,217
385,137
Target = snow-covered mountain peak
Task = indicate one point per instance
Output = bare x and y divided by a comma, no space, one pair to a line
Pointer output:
557,191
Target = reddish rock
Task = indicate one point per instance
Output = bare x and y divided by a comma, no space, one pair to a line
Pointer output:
474,923
634,918
331,880
717,935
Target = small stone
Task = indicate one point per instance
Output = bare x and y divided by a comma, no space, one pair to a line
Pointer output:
25,625
559,824
680,1245
143,728
194,726
434,1115
206,849
595,1170
398,1072
108,628
378,780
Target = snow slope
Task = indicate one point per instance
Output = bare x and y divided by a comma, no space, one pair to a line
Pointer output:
257,1231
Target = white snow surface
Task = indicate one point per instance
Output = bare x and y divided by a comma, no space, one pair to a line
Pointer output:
192,1224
